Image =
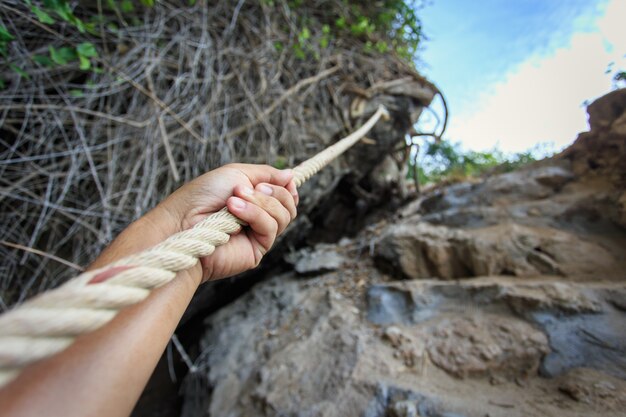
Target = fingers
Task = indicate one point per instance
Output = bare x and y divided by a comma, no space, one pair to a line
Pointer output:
291,187
268,210
263,226
264,173
271,205
285,197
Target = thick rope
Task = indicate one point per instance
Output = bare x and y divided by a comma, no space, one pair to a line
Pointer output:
50,322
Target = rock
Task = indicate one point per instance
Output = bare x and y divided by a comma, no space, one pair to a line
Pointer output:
319,260
503,281
409,302
552,176
394,335
595,388
295,347
424,251
599,153
388,304
617,298
606,110
486,345
420,251
391,401
552,296
404,409
584,340
621,219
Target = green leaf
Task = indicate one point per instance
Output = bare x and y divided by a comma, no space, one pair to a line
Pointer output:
278,45
87,49
382,46
20,71
298,51
148,3
326,29
5,36
2,85
324,42
42,16
79,24
91,28
62,10
62,55
77,93
85,63
43,60
127,6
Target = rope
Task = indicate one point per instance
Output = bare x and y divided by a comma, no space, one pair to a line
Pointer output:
49,322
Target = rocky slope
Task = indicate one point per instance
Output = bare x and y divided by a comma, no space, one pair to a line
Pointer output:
499,297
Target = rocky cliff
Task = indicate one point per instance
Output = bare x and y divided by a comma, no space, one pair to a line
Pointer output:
504,296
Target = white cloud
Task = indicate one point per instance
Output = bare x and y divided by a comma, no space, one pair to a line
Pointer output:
542,99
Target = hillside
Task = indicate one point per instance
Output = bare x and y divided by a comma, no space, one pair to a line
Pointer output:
502,296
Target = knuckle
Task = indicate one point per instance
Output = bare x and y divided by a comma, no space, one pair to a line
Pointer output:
285,217
274,226
259,252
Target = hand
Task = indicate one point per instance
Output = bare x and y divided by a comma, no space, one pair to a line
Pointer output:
262,196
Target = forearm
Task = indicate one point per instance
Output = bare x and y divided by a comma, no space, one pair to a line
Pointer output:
104,372
154,227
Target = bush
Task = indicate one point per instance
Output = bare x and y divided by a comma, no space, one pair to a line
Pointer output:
447,161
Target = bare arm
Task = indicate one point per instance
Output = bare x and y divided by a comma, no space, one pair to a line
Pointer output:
104,372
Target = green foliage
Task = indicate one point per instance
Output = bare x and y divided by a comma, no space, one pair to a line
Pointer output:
67,54
280,162
447,161
62,10
42,16
5,38
127,6
381,26
386,25
378,27
81,55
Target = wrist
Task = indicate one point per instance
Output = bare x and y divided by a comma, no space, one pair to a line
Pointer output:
164,219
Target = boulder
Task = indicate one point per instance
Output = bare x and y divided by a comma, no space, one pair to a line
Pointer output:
418,250
482,345
594,388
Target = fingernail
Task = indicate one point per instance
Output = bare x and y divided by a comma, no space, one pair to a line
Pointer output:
265,189
238,203
247,191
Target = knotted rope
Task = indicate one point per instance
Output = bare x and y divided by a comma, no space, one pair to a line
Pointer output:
49,322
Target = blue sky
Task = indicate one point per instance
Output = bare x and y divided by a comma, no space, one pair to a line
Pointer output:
516,72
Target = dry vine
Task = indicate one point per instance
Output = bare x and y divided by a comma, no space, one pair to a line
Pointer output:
184,90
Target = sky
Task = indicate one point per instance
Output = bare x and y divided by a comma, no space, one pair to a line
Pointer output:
516,73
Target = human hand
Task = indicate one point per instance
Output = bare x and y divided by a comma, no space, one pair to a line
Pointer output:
262,196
